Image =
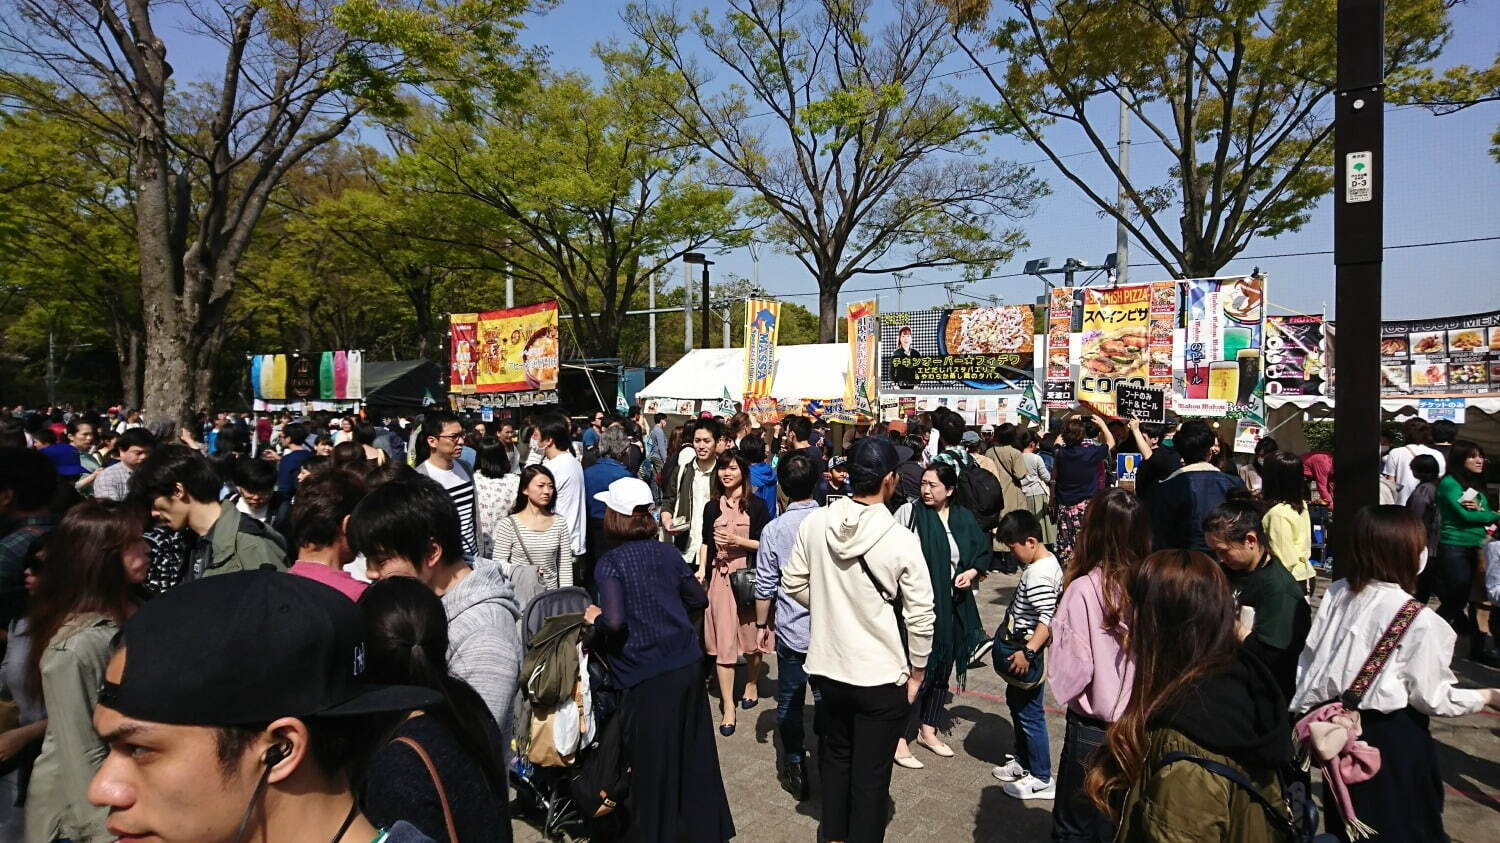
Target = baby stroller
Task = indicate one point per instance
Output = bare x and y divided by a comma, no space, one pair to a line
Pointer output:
552,631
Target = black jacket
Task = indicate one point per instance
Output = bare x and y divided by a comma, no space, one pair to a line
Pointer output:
399,787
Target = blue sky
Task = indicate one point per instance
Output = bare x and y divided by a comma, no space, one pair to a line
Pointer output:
1440,185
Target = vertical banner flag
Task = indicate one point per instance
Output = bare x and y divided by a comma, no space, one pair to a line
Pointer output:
762,328
1114,342
518,349
1163,321
1057,389
864,336
463,352
276,389
355,388
327,385
255,366
1294,359
1224,323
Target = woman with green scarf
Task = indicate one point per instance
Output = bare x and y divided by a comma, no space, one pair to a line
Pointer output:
958,554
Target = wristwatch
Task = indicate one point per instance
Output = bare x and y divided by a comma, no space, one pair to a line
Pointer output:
1029,653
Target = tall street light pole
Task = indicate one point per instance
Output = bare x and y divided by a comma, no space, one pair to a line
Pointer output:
1358,146
699,258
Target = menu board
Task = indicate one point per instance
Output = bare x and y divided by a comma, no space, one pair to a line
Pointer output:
930,352
1456,356
1115,343
1296,359
1143,403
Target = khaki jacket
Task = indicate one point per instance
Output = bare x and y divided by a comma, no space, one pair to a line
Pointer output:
1184,803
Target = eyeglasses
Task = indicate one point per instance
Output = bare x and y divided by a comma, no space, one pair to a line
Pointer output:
451,436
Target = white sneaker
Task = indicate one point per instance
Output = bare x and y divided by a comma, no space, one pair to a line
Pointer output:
1010,771
1031,787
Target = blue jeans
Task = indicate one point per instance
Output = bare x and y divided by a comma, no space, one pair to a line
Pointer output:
1030,722
791,686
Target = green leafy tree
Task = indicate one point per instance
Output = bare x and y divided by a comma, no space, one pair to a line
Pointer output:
207,157
67,238
860,160
1238,94
579,193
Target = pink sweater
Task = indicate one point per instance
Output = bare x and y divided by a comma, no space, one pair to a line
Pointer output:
1089,671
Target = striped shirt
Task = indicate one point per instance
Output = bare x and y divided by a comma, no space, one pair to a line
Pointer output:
1036,595
460,487
550,550
113,483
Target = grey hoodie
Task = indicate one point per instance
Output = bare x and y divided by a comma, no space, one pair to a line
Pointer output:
854,638
484,640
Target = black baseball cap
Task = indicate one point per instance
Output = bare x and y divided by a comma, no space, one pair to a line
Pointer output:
246,648
872,458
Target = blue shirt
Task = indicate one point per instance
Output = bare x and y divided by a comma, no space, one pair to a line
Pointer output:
590,436
763,479
596,478
645,592
288,468
793,629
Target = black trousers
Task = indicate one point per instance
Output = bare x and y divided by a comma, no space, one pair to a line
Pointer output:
857,727
1074,816
1448,577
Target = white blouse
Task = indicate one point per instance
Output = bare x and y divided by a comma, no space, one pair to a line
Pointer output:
1417,674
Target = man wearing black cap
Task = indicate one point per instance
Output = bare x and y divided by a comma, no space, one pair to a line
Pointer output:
857,570
247,734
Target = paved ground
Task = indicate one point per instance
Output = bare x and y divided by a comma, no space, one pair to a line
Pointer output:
957,799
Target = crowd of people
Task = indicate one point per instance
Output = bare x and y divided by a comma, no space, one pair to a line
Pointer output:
258,627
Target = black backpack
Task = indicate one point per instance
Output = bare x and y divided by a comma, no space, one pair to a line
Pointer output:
979,492
602,782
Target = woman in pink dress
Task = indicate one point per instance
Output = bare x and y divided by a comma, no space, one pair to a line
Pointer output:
732,521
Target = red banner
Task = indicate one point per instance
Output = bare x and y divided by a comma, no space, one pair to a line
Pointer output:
463,352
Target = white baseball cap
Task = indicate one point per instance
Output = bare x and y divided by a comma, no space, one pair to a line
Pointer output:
625,495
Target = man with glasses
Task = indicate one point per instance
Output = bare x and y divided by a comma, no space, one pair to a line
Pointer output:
445,439
595,429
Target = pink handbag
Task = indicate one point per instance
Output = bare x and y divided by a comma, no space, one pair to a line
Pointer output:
1328,736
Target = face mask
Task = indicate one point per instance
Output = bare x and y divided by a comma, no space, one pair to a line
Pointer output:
1422,561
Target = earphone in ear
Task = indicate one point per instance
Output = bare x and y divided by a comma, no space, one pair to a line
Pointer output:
276,754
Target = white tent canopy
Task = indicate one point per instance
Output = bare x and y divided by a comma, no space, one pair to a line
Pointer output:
802,371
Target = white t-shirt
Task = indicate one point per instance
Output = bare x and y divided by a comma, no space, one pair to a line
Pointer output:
567,473
460,487
1398,468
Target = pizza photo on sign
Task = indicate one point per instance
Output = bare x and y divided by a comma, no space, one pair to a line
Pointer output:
1118,353
989,330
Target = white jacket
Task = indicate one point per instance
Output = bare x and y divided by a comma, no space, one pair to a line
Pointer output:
854,637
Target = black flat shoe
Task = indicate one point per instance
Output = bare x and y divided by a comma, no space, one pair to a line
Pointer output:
727,729
749,703
794,780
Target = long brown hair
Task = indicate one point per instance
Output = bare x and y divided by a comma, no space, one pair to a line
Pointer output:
85,572
1115,537
1183,630
732,456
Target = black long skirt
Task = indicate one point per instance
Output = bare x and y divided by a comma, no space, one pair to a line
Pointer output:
676,791
1404,801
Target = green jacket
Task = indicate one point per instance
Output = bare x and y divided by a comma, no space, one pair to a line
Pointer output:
241,543
1461,527
1184,803
57,805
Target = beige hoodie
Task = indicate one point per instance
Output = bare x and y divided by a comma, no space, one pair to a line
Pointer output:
855,639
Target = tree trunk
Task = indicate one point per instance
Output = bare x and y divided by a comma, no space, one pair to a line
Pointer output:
828,311
130,369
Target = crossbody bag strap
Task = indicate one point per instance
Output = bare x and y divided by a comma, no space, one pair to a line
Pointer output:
516,525
437,782
1281,816
1378,656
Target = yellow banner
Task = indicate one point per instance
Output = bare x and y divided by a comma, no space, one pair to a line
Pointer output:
1115,343
519,349
762,328
864,339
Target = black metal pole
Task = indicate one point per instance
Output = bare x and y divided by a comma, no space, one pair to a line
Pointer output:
706,342
1359,139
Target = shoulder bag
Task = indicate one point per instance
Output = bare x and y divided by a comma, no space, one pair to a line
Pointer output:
1328,736
742,582
1008,643
437,782
525,551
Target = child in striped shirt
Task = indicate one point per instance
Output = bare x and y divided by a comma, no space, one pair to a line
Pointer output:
1028,773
